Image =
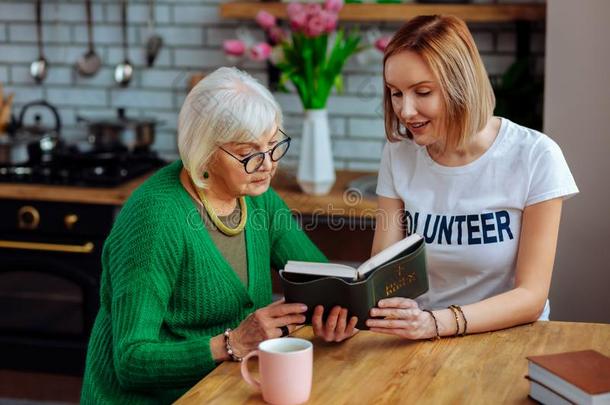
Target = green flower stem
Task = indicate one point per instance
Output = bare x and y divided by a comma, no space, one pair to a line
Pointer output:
314,71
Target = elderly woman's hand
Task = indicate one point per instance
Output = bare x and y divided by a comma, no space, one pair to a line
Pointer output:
336,327
401,317
266,323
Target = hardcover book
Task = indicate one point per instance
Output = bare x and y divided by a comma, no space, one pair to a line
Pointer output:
545,395
397,271
581,377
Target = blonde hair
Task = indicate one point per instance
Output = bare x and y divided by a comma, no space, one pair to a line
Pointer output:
446,45
228,105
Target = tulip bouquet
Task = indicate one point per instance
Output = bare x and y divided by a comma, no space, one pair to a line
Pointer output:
312,56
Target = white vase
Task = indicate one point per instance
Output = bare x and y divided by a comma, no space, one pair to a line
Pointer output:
316,173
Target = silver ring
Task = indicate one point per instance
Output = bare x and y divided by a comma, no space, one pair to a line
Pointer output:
285,331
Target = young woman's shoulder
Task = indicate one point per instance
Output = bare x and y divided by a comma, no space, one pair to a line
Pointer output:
527,139
402,147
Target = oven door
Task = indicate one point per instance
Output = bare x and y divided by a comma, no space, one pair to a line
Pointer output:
49,295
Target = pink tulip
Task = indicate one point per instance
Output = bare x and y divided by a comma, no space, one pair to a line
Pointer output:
234,47
294,8
315,26
260,51
276,34
333,5
382,42
330,21
298,21
313,9
265,19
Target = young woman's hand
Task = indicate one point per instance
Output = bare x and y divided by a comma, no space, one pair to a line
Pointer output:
336,328
266,323
401,317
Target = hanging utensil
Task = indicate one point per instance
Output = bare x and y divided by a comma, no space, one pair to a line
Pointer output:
38,68
124,71
90,62
155,42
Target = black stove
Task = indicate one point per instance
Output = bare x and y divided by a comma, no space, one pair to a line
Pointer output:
51,257
87,169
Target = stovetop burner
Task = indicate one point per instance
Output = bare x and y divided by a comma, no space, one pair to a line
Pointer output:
90,169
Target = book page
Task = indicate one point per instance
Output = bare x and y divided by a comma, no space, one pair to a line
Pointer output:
320,269
387,254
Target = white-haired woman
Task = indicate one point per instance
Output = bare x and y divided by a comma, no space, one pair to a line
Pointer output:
186,269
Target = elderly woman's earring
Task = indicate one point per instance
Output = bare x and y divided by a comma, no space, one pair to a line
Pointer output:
206,175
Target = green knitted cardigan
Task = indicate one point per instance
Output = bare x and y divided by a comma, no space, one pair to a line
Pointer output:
166,290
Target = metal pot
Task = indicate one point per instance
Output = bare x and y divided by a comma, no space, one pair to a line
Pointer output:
121,133
31,143
13,151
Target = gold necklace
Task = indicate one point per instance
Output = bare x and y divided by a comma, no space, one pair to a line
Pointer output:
217,222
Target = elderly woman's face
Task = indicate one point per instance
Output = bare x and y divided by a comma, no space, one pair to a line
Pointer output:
231,173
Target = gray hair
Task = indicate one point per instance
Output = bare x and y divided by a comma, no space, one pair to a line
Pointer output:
228,105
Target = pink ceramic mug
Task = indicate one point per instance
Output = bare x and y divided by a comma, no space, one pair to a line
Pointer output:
285,367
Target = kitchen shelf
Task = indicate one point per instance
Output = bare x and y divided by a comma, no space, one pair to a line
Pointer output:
399,12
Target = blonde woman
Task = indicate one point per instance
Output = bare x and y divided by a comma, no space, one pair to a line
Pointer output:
186,269
485,192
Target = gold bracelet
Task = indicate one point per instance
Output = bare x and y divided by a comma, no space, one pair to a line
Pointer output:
438,336
457,322
463,317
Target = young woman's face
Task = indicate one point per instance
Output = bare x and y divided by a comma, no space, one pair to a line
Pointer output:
416,97
227,172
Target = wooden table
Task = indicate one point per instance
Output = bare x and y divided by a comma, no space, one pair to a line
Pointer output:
373,368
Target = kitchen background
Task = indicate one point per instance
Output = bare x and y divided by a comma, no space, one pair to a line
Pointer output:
193,34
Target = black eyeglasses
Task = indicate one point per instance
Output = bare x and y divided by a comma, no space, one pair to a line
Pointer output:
253,162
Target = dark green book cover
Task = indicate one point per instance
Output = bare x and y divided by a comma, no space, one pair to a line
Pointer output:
404,275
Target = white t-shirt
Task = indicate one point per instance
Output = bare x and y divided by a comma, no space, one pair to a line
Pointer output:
470,216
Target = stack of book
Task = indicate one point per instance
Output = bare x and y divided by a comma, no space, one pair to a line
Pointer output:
581,377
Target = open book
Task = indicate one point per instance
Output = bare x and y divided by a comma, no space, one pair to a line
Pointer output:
397,271
344,271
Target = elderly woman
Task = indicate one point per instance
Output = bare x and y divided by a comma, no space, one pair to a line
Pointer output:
186,269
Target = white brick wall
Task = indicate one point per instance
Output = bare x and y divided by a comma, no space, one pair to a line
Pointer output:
16,11
366,128
105,35
3,74
17,53
52,34
193,34
77,97
196,14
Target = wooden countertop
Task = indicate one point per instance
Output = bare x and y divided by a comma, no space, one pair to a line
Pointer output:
337,202
372,368
87,195
340,201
